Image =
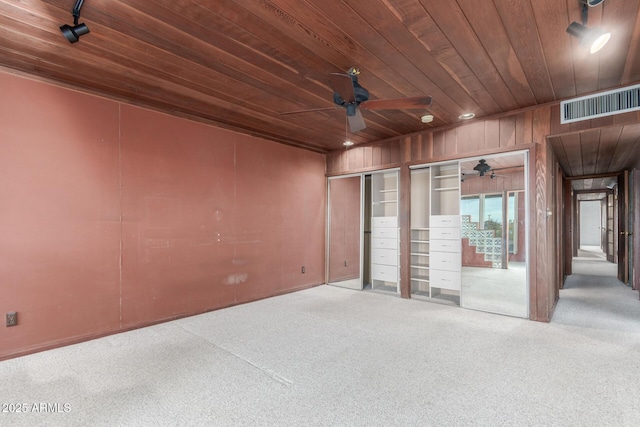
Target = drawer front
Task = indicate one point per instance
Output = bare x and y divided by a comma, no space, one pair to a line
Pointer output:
449,261
449,233
384,243
387,273
445,280
384,222
445,245
384,233
384,256
439,221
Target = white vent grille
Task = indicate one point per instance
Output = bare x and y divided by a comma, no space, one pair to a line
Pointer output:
600,105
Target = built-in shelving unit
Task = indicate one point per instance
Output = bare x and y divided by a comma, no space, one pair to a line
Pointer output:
420,257
435,232
384,231
445,248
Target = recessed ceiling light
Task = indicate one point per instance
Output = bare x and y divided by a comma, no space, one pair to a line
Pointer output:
427,118
466,116
347,143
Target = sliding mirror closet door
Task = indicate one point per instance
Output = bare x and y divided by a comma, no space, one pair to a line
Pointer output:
344,237
493,216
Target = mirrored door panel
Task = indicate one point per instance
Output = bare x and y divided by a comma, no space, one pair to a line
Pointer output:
493,216
345,218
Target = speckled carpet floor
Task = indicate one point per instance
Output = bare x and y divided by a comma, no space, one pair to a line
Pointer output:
338,357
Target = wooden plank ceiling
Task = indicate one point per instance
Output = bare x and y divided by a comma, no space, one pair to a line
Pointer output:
240,63
597,154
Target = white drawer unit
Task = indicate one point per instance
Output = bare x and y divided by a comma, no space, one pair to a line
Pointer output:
448,233
386,273
384,256
445,245
384,222
384,233
449,261
444,221
379,243
445,249
445,280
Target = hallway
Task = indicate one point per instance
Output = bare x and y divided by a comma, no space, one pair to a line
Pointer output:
593,297
592,261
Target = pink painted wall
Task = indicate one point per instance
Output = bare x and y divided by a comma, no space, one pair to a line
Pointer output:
116,217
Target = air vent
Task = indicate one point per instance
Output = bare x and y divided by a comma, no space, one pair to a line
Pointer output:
600,105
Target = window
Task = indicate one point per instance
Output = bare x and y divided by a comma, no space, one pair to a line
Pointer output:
486,210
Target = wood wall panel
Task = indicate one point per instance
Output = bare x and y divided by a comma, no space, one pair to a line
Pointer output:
451,142
507,131
125,217
635,221
439,143
477,185
469,139
60,218
491,134
539,309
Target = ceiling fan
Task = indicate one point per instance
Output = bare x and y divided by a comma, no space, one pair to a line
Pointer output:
480,170
351,96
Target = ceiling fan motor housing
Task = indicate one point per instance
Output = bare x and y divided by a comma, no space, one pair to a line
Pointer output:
360,95
482,167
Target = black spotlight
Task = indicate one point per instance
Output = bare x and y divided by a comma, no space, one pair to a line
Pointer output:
73,33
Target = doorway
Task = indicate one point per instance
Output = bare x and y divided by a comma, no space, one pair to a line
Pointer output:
601,243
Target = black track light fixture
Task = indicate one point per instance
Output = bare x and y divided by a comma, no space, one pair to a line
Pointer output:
592,38
73,33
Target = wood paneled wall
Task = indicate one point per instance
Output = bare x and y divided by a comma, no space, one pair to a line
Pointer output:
475,138
524,130
509,182
115,217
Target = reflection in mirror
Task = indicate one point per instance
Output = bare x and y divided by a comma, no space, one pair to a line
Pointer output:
344,232
493,214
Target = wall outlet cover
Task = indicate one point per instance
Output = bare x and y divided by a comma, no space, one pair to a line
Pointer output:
12,318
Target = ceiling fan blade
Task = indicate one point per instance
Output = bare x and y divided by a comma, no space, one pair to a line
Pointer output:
416,102
310,110
343,84
356,122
